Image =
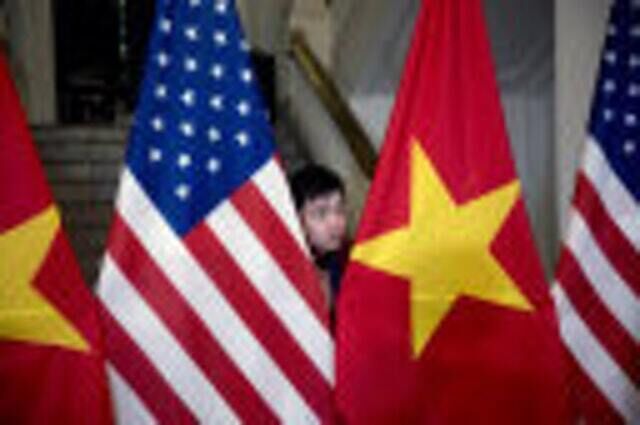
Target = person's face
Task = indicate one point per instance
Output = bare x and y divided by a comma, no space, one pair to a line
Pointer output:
324,222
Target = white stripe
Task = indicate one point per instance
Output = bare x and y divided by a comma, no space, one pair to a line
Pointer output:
274,286
163,350
271,182
614,384
614,292
129,409
619,203
167,250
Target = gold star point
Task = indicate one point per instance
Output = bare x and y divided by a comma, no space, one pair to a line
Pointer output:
444,250
25,314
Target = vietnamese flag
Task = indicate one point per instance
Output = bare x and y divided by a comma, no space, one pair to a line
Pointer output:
51,365
444,315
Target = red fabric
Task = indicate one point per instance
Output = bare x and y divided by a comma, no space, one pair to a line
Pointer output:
45,384
485,363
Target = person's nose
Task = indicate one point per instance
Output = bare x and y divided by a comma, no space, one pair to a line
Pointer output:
337,220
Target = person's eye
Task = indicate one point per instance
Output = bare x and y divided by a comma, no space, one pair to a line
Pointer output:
320,213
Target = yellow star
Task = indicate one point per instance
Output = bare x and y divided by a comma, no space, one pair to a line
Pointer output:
444,251
25,315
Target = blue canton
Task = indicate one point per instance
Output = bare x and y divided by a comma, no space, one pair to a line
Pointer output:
615,116
201,128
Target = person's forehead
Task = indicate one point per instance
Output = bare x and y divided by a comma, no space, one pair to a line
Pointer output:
327,198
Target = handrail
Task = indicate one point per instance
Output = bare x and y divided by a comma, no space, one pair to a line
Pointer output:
338,109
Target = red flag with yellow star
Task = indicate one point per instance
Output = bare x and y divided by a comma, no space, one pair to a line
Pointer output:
51,368
444,315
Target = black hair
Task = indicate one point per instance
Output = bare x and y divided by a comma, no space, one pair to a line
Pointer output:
313,180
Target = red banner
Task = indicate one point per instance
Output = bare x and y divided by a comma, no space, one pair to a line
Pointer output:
51,366
444,315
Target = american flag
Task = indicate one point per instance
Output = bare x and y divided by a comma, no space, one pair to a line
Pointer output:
597,290
212,309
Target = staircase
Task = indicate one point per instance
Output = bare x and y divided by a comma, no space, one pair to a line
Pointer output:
82,165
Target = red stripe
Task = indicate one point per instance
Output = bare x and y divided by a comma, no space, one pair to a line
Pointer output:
141,375
618,249
145,275
263,322
279,241
594,407
611,335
